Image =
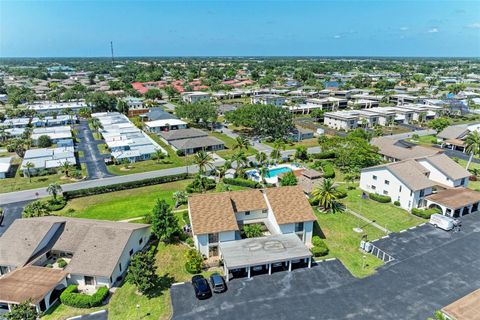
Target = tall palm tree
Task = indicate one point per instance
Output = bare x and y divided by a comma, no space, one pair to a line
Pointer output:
222,170
327,195
263,171
241,143
203,160
240,160
159,155
261,158
96,124
278,146
472,145
29,165
54,189
66,167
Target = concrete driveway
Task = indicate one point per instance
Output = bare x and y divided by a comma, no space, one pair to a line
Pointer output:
432,269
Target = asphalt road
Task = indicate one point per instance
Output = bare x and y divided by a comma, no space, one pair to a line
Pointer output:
12,212
93,159
432,268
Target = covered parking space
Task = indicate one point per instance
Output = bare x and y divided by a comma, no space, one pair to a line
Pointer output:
265,253
455,202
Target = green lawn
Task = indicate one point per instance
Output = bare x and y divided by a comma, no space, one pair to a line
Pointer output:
229,143
343,242
123,204
385,214
292,146
424,140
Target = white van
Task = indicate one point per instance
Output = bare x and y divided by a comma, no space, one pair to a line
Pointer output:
442,222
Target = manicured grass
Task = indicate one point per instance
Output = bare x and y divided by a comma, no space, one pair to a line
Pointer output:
343,242
229,143
123,204
292,146
102,147
385,214
425,140
172,161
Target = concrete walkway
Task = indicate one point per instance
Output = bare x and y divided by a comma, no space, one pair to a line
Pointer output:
376,225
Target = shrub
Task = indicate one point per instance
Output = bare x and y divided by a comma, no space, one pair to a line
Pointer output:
473,178
122,186
341,193
328,171
189,241
194,261
186,217
71,297
316,241
380,198
324,155
242,182
61,263
56,205
252,230
320,250
44,141
397,203
200,184
180,153
425,214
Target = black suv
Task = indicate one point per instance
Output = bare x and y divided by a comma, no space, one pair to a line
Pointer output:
218,284
201,287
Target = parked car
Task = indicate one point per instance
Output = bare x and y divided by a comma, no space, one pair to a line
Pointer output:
201,287
218,284
442,222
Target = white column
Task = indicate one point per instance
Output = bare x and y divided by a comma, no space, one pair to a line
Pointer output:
269,268
289,265
248,270
310,262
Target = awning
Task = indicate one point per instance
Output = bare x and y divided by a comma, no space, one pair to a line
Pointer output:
262,251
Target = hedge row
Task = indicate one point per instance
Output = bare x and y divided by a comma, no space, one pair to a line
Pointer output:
323,155
380,198
328,171
71,297
242,182
319,248
122,186
425,214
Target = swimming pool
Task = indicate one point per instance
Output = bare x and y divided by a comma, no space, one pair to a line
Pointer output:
276,171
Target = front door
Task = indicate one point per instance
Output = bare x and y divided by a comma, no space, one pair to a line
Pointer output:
89,281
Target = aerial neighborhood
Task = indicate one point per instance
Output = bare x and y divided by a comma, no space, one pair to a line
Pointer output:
199,188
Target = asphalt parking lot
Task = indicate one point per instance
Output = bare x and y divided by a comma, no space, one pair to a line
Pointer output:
432,268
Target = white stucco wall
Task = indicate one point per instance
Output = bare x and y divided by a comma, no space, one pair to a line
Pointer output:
256,214
440,177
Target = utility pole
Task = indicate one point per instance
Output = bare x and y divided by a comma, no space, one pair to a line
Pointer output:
111,50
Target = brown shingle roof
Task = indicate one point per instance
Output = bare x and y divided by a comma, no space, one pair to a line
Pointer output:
211,213
248,200
289,205
412,174
401,150
448,167
453,132
29,283
455,198
466,308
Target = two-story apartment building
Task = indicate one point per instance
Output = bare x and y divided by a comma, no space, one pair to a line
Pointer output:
272,99
219,217
412,181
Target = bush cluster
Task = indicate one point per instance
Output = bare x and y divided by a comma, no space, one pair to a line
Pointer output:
122,186
242,182
425,214
71,297
323,155
380,198
397,203
328,171
61,263
319,248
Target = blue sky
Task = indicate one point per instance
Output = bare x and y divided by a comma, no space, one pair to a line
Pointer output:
220,28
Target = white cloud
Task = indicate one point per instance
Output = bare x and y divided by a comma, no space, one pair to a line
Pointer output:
475,25
433,30
337,36
403,28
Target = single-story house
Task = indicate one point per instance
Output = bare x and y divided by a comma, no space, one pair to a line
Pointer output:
47,158
5,165
97,254
191,140
196,96
165,125
55,133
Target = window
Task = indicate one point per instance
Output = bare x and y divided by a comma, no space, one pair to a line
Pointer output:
422,193
374,177
140,241
264,211
385,192
299,227
373,187
212,237
89,281
247,213
400,189
120,266
411,193
131,252
387,182
463,181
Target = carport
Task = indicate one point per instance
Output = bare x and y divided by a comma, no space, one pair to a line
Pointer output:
455,202
265,251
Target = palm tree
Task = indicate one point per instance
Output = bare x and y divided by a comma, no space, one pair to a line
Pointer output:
4,134
159,155
54,189
203,160
472,145
96,124
241,143
327,195
29,165
278,147
261,158
180,198
65,167
240,160
222,170
263,173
